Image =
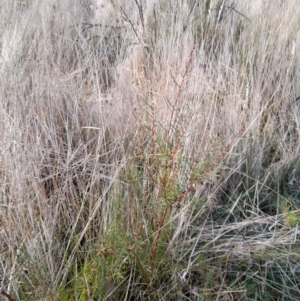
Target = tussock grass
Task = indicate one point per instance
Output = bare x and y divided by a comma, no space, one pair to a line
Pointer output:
149,151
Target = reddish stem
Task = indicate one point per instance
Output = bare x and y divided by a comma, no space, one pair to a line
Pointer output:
155,243
180,89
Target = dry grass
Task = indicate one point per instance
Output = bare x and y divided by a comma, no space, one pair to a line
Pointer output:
149,151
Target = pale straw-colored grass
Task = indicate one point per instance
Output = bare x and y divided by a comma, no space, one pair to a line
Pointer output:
157,143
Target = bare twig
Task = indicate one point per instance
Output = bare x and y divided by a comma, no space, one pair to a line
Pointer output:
8,296
132,25
141,12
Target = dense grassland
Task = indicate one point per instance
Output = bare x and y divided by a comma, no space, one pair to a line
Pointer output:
149,150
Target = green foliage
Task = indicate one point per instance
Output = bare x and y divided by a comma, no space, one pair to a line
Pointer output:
102,271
